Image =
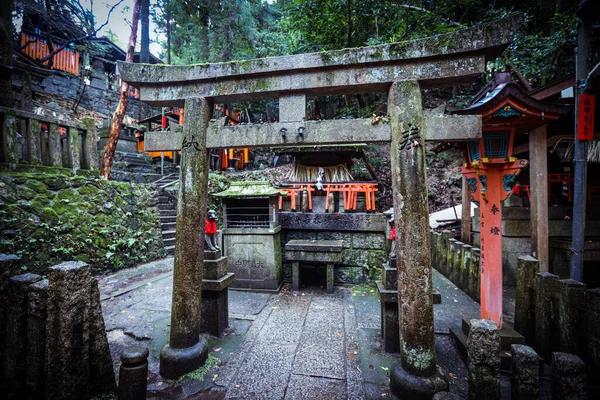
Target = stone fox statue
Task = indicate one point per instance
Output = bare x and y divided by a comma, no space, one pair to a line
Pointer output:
210,231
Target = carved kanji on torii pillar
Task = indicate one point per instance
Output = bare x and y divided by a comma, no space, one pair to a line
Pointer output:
490,182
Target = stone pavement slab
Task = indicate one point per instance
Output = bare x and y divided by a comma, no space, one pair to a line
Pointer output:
265,372
303,387
321,349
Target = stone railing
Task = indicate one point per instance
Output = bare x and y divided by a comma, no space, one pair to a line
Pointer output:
457,261
28,140
557,314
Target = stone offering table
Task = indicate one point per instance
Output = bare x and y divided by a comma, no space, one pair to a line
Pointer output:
313,251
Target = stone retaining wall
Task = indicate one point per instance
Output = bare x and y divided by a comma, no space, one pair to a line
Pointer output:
365,245
457,261
93,98
48,218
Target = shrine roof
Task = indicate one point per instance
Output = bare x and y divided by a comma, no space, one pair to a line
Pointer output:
508,104
249,189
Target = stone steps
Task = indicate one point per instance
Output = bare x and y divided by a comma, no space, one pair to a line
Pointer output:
168,234
170,250
167,219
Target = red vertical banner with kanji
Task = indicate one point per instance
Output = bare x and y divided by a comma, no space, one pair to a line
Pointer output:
585,117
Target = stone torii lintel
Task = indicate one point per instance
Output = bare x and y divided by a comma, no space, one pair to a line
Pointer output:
447,59
440,128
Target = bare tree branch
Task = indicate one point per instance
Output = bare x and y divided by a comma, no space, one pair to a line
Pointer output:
426,11
79,40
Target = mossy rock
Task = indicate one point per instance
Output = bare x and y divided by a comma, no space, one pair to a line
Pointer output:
36,186
49,216
57,182
27,193
69,195
20,179
40,202
78,181
60,207
88,190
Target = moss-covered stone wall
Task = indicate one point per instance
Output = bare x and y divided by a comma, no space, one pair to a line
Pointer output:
46,219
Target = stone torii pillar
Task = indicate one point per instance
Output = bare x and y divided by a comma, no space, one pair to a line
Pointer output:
187,350
416,375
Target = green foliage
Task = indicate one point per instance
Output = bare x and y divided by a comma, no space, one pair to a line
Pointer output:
200,373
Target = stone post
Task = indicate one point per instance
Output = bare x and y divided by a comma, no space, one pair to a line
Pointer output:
571,315
474,275
527,269
67,332
73,152
55,146
525,370
593,322
546,327
36,339
186,350
9,267
483,349
133,373
465,266
568,377
16,333
416,375
9,152
34,128
90,149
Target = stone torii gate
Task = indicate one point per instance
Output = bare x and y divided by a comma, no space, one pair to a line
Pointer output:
401,70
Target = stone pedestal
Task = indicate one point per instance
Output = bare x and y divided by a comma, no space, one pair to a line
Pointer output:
254,256
215,300
388,298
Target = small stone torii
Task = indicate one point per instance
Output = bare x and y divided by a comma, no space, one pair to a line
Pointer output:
401,70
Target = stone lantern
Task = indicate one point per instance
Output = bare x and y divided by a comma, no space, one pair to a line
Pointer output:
491,171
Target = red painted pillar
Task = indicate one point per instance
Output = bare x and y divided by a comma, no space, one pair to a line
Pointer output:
491,247
490,183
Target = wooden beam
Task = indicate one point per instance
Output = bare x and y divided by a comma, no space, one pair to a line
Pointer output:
437,128
538,187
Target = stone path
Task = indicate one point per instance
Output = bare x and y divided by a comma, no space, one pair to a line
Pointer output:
307,345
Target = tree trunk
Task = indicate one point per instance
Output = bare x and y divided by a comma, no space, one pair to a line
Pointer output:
113,137
349,7
168,23
145,39
6,45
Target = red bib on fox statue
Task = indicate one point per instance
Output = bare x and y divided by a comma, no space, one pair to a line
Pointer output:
211,227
